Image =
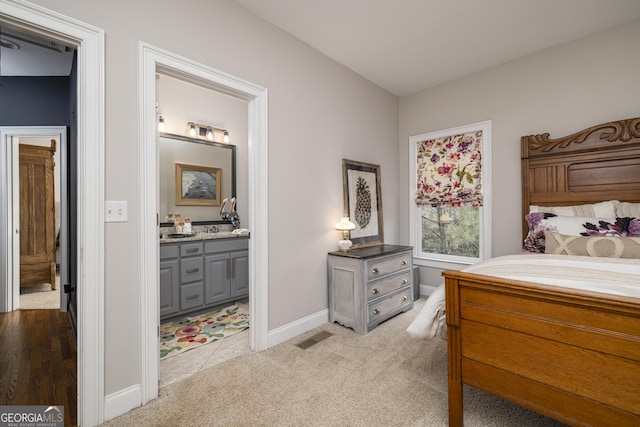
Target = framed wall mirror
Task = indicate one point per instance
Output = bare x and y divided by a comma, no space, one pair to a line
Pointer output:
211,173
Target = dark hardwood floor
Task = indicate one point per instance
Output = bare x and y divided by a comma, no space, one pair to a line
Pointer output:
38,360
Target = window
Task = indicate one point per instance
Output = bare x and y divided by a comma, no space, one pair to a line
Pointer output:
450,220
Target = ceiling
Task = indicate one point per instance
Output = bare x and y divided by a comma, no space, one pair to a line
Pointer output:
403,46
406,46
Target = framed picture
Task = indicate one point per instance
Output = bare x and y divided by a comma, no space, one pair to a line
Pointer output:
198,185
363,202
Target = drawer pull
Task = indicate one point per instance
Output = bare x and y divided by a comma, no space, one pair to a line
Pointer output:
375,291
404,298
404,281
403,262
375,271
190,297
376,311
192,250
193,270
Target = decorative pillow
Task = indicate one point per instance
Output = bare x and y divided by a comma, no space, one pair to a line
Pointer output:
596,210
568,225
625,209
621,227
608,247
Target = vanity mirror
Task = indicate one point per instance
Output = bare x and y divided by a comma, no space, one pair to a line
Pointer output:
206,170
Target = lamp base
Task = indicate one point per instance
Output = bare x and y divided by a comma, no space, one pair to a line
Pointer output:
344,245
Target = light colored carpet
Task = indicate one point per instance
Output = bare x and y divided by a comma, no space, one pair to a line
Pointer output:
40,297
383,378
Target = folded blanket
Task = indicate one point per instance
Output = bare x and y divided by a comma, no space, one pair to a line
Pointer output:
606,275
431,321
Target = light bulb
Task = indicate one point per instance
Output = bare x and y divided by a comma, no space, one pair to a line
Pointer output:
161,127
226,136
210,133
192,129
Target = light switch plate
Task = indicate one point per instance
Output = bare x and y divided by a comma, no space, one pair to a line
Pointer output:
116,211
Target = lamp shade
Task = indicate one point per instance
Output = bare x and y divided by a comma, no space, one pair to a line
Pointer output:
345,224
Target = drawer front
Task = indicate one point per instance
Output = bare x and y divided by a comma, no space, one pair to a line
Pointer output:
226,245
191,296
387,265
190,249
381,309
379,288
168,251
191,269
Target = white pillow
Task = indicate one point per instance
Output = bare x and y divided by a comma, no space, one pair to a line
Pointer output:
572,225
628,210
596,210
567,225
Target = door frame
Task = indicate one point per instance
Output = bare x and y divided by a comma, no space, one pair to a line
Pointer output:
12,135
153,60
90,44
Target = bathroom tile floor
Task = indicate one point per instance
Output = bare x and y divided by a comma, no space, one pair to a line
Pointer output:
191,362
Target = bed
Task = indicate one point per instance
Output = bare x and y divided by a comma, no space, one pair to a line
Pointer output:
568,353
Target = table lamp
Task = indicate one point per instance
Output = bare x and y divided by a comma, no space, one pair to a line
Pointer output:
345,226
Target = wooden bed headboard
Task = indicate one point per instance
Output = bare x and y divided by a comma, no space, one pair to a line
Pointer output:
594,165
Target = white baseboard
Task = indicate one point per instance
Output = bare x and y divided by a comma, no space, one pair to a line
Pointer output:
122,401
293,329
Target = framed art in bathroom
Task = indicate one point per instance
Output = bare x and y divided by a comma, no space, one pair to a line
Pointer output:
198,185
363,202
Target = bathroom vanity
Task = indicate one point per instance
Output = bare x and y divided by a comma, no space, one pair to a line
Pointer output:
203,271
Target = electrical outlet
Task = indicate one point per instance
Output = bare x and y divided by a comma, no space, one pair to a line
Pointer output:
116,211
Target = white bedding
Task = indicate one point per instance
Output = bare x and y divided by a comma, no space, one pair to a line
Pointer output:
606,275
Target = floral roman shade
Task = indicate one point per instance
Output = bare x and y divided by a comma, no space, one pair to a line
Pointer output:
450,170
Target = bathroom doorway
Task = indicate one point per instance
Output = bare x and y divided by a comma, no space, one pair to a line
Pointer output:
181,103
156,61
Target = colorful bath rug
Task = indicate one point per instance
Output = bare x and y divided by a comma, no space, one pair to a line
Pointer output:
191,332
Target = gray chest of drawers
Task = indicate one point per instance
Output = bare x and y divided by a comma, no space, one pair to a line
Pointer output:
369,285
195,276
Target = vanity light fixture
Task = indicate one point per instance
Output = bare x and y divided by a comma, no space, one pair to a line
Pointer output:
345,226
161,127
192,129
197,130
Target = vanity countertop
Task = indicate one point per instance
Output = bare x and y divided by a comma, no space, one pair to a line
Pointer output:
204,236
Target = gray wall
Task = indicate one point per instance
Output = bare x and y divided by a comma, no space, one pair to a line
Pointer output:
319,112
560,90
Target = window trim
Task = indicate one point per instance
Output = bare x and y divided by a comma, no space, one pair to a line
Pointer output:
415,234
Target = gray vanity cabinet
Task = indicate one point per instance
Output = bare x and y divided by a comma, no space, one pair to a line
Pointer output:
226,270
191,276
203,274
240,274
217,287
169,280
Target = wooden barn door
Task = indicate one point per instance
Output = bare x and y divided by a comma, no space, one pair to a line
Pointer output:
37,216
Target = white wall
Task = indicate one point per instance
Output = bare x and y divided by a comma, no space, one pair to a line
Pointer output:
319,113
560,90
